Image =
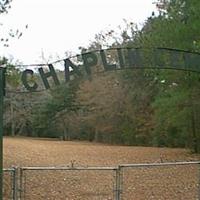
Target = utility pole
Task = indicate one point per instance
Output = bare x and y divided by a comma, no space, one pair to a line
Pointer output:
2,93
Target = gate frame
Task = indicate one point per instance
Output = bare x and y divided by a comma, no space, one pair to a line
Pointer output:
116,192
17,175
118,189
139,165
14,186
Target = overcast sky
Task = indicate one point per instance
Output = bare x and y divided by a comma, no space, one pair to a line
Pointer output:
57,26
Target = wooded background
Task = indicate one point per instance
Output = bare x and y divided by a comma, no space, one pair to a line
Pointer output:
131,107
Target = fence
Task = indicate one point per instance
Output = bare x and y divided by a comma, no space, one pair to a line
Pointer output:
176,180
9,183
74,183
127,182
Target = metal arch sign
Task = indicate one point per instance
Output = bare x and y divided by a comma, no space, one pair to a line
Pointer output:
110,59
115,59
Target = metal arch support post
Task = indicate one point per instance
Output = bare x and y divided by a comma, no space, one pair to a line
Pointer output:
2,85
199,182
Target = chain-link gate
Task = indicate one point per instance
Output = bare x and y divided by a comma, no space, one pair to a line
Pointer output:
160,181
74,183
127,182
10,184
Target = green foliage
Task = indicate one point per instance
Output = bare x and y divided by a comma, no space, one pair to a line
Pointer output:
177,26
171,117
60,103
134,107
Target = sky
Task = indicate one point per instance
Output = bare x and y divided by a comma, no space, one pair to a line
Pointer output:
59,26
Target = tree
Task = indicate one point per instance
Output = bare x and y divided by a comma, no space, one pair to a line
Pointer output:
53,113
5,5
177,27
18,105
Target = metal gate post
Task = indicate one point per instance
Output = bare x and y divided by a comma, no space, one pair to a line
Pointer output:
118,184
12,175
15,185
20,183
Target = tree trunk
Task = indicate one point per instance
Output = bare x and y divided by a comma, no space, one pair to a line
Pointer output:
65,131
96,136
195,130
194,135
12,119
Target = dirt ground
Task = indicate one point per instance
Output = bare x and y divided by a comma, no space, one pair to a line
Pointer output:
177,182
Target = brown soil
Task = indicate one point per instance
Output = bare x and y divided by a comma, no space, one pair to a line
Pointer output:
177,182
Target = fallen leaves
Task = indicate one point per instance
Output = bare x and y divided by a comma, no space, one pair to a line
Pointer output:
143,183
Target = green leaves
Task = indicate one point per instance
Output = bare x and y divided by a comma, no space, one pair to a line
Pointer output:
55,109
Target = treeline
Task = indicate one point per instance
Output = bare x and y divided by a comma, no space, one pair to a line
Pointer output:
131,107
